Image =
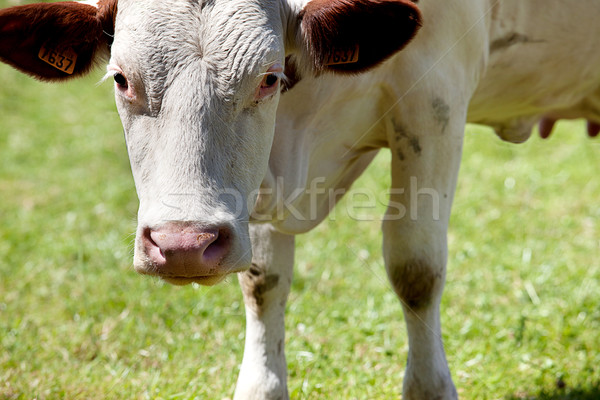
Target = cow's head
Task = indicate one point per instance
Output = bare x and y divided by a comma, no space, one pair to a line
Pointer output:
197,85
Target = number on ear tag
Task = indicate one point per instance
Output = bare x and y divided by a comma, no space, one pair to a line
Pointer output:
61,59
342,56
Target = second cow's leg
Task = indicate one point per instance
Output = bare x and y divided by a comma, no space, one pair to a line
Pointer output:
266,286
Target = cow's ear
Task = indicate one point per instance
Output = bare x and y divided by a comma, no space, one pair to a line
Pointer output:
56,41
355,35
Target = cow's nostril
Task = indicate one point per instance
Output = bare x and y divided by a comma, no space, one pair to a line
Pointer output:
151,248
148,236
218,245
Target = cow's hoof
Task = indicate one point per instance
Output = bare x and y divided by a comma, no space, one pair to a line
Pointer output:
258,393
420,391
261,390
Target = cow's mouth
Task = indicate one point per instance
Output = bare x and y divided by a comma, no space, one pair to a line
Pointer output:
201,280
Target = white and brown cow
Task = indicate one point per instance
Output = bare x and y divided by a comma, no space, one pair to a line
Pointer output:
236,110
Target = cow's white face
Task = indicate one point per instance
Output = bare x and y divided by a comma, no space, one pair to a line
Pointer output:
197,85
197,88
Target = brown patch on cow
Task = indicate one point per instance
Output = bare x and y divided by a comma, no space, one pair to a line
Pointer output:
402,139
593,129
510,40
414,282
441,113
107,14
82,28
292,75
377,28
256,283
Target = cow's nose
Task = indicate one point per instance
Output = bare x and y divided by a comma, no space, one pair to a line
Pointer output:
185,251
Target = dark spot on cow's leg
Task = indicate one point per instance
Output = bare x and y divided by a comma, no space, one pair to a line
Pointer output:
441,113
414,143
400,154
400,137
399,129
415,282
254,270
256,283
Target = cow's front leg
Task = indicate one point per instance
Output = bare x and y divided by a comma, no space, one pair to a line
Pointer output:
266,286
424,172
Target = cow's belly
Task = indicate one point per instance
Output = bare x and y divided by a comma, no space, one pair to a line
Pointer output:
513,118
511,101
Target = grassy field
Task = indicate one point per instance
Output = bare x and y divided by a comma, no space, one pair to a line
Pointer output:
521,311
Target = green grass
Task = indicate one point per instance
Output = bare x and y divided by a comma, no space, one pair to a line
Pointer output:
521,310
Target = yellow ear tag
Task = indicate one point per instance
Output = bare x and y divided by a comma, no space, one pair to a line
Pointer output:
61,59
342,56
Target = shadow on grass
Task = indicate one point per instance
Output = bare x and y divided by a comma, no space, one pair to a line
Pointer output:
577,393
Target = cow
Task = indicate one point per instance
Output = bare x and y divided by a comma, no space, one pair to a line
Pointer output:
241,117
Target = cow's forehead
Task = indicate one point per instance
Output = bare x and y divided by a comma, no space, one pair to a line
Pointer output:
235,39
215,28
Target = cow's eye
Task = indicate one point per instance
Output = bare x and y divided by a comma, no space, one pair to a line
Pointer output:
270,80
120,80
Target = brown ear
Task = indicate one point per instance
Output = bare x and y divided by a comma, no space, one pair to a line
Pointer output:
355,35
56,41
